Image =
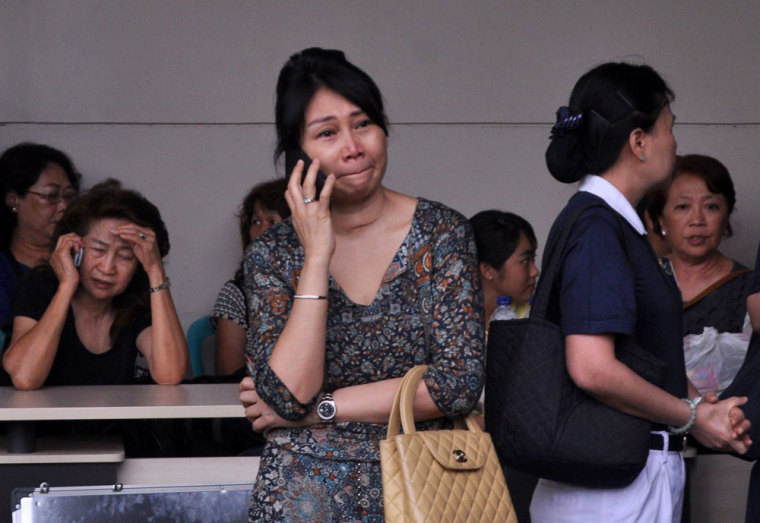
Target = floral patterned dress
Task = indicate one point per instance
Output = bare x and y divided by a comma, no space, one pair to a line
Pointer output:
332,472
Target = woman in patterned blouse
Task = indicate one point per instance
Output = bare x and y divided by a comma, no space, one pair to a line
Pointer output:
359,286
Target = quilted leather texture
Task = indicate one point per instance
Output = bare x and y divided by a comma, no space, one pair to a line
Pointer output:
540,421
543,424
418,488
442,475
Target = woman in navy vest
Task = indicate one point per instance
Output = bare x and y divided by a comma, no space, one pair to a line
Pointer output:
616,137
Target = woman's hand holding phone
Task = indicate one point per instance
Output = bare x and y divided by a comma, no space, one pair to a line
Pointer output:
67,248
311,217
291,159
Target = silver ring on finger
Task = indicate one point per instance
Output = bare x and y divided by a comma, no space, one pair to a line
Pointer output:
142,236
308,200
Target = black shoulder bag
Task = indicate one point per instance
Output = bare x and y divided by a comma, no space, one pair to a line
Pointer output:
540,421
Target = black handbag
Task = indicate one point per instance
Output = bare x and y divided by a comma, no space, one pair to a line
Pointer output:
540,421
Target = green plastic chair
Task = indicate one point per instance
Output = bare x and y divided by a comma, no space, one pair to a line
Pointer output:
197,333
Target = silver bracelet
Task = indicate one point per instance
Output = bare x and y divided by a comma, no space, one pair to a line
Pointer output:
683,429
309,297
161,287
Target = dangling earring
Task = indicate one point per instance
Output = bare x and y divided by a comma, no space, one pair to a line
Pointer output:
643,157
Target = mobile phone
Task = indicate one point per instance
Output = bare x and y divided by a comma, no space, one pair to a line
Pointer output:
78,257
292,157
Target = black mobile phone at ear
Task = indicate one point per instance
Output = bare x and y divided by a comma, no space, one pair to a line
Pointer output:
292,157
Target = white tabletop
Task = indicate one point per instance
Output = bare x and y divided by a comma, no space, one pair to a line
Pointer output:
217,400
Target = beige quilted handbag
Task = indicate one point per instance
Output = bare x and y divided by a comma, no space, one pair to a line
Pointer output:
440,475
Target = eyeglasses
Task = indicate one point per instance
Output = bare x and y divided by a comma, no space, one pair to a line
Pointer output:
55,198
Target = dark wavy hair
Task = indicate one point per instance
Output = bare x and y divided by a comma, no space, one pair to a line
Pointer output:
303,75
109,200
711,171
614,99
497,234
20,168
271,196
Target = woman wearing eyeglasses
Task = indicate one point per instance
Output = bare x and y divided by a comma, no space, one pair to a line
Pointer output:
83,323
36,183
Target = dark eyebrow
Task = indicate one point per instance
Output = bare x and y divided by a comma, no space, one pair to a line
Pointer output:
321,120
324,119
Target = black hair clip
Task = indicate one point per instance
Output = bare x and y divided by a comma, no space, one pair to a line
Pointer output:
566,122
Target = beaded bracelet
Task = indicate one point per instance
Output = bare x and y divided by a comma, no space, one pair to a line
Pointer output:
683,429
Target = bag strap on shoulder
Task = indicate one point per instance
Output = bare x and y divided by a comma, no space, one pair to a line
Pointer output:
709,290
555,252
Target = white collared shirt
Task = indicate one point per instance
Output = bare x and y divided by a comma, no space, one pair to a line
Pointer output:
600,187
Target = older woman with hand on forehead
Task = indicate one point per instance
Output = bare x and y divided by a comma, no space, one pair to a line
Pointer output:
83,323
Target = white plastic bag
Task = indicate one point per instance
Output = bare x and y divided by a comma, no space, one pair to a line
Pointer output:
713,358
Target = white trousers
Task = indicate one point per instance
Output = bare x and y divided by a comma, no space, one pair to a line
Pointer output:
656,496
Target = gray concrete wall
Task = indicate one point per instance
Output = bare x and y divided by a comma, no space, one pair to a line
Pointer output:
176,98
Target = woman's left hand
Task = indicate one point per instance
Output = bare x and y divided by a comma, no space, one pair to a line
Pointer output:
144,245
261,415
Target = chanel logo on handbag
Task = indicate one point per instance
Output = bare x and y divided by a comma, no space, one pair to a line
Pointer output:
428,474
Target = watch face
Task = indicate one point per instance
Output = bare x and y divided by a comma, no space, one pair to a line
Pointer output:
326,410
